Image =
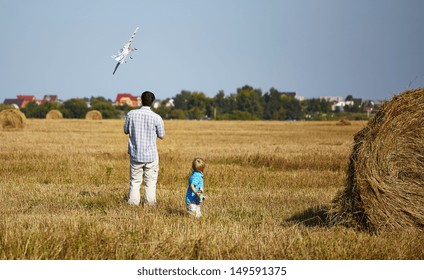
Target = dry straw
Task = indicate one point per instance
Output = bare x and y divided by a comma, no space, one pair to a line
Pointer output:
54,115
12,119
385,178
93,115
343,122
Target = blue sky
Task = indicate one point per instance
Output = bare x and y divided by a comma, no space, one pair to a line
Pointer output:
371,49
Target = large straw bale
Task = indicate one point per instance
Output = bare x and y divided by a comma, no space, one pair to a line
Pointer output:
385,178
12,119
93,115
54,115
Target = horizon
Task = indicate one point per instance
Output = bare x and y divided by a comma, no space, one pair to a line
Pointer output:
298,97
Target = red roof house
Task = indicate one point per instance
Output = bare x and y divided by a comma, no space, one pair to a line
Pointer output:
49,98
26,99
15,102
128,99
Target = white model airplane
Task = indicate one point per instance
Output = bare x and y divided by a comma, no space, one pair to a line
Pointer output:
125,51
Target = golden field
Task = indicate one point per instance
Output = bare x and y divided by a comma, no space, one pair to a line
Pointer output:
63,185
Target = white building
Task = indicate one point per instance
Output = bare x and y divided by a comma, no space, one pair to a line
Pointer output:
338,106
332,98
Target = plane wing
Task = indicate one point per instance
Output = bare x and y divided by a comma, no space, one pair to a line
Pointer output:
118,57
132,37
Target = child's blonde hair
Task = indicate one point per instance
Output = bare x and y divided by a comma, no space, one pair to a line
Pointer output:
198,164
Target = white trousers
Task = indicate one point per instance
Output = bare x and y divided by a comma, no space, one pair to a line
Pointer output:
194,209
148,172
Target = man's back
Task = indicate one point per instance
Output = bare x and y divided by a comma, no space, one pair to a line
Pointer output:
143,127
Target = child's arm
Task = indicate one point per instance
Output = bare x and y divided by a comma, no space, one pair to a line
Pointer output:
202,194
193,189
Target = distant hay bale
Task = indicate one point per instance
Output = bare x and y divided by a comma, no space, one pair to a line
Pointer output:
12,119
385,178
343,122
54,115
93,115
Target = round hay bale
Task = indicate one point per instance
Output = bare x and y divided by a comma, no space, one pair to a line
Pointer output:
385,178
93,115
54,115
12,119
343,122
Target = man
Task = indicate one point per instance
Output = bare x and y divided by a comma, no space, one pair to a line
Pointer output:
143,127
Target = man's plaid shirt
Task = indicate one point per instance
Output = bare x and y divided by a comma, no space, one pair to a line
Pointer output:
143,126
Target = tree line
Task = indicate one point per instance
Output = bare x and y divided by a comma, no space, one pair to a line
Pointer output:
247,103
75,108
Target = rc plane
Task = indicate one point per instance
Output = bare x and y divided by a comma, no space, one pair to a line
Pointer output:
124,52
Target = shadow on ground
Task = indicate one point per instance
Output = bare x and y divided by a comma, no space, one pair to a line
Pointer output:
175,212
312,217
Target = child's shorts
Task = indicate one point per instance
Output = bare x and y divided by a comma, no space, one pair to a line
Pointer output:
194,209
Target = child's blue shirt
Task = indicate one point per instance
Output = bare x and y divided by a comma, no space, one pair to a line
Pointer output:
196,179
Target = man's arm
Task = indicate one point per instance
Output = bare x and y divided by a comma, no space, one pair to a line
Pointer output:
160,130
126,125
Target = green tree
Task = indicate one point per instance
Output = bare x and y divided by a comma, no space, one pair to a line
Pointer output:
105,107
181,100
6,106
75,108
325,106
30,109
291,108
280,106
315,107
272,105
193,104
219,101
196,113
123,109
250,100
230,104
242,115
164,110
33,110
197,99
178,114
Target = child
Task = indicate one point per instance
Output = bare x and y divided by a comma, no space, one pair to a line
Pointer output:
194,195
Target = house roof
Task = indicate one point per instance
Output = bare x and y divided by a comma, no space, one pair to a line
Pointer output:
15,101
119,96
50,98
26,97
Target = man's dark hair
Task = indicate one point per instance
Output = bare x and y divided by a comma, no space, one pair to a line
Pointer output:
147,98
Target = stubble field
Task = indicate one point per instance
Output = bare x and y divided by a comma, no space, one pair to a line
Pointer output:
63,185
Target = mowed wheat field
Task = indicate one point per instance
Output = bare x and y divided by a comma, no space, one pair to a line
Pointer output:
63,185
